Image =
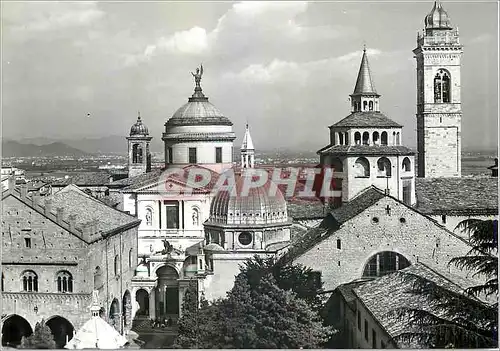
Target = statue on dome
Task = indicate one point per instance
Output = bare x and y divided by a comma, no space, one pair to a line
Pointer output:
197,75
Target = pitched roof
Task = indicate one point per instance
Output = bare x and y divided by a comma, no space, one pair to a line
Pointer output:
88,209
247,143
139,179
305,209
367,119
85,179
333,221
392,291
366,199
364,83
465,195
368,150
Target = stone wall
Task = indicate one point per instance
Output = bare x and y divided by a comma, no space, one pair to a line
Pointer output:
54,249
404,231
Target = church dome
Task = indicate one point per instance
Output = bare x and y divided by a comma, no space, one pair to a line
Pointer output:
139,128
438,18
260,205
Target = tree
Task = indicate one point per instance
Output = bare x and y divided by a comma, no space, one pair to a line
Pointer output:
257,313
303,281
455,319
42,338
265,316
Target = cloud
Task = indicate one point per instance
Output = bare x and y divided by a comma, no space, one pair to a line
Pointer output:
278,71
245,25
24,17
193,41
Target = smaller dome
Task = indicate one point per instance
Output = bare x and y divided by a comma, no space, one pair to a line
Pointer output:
260,205
213,247
438,18
139,128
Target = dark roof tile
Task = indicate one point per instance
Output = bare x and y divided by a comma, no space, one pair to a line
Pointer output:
392,291
466,195
368,150
367,119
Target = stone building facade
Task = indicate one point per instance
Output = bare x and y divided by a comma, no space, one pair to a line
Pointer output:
56,251
366,147
372,235
439,109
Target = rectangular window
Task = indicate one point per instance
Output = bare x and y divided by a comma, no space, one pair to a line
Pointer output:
170,155
366,330
192,155
172,216
218,155
374,339
359,321
407,192
27,242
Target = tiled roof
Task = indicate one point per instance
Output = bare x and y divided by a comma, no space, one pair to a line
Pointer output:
357,205
85,179
305,209
201,136
87,209
368,150
139,179
466,195
334,219
389,292
367,119
364,83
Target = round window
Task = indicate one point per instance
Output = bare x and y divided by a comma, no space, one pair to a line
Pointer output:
245,238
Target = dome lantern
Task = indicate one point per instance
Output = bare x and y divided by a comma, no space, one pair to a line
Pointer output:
438,18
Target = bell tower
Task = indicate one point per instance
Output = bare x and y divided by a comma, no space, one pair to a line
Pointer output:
439,109
247,150
139,156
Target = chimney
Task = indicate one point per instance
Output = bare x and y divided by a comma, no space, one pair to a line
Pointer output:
60,214
24,191
72,222
12,183
48,206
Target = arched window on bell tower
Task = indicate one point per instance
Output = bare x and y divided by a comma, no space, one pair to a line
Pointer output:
136,153
442,87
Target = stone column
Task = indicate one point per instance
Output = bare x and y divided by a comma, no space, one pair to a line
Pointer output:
181,299
152,304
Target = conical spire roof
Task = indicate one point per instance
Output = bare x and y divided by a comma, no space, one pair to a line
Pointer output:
247,140
438,18
364,83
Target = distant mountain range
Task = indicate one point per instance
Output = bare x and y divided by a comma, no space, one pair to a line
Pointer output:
12,148
117,144
113,144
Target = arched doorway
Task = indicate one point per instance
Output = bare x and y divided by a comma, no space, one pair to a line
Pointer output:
167,293
62,329
114,314
13,329
142,298
127,309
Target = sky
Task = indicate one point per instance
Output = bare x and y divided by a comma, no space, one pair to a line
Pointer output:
286,68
